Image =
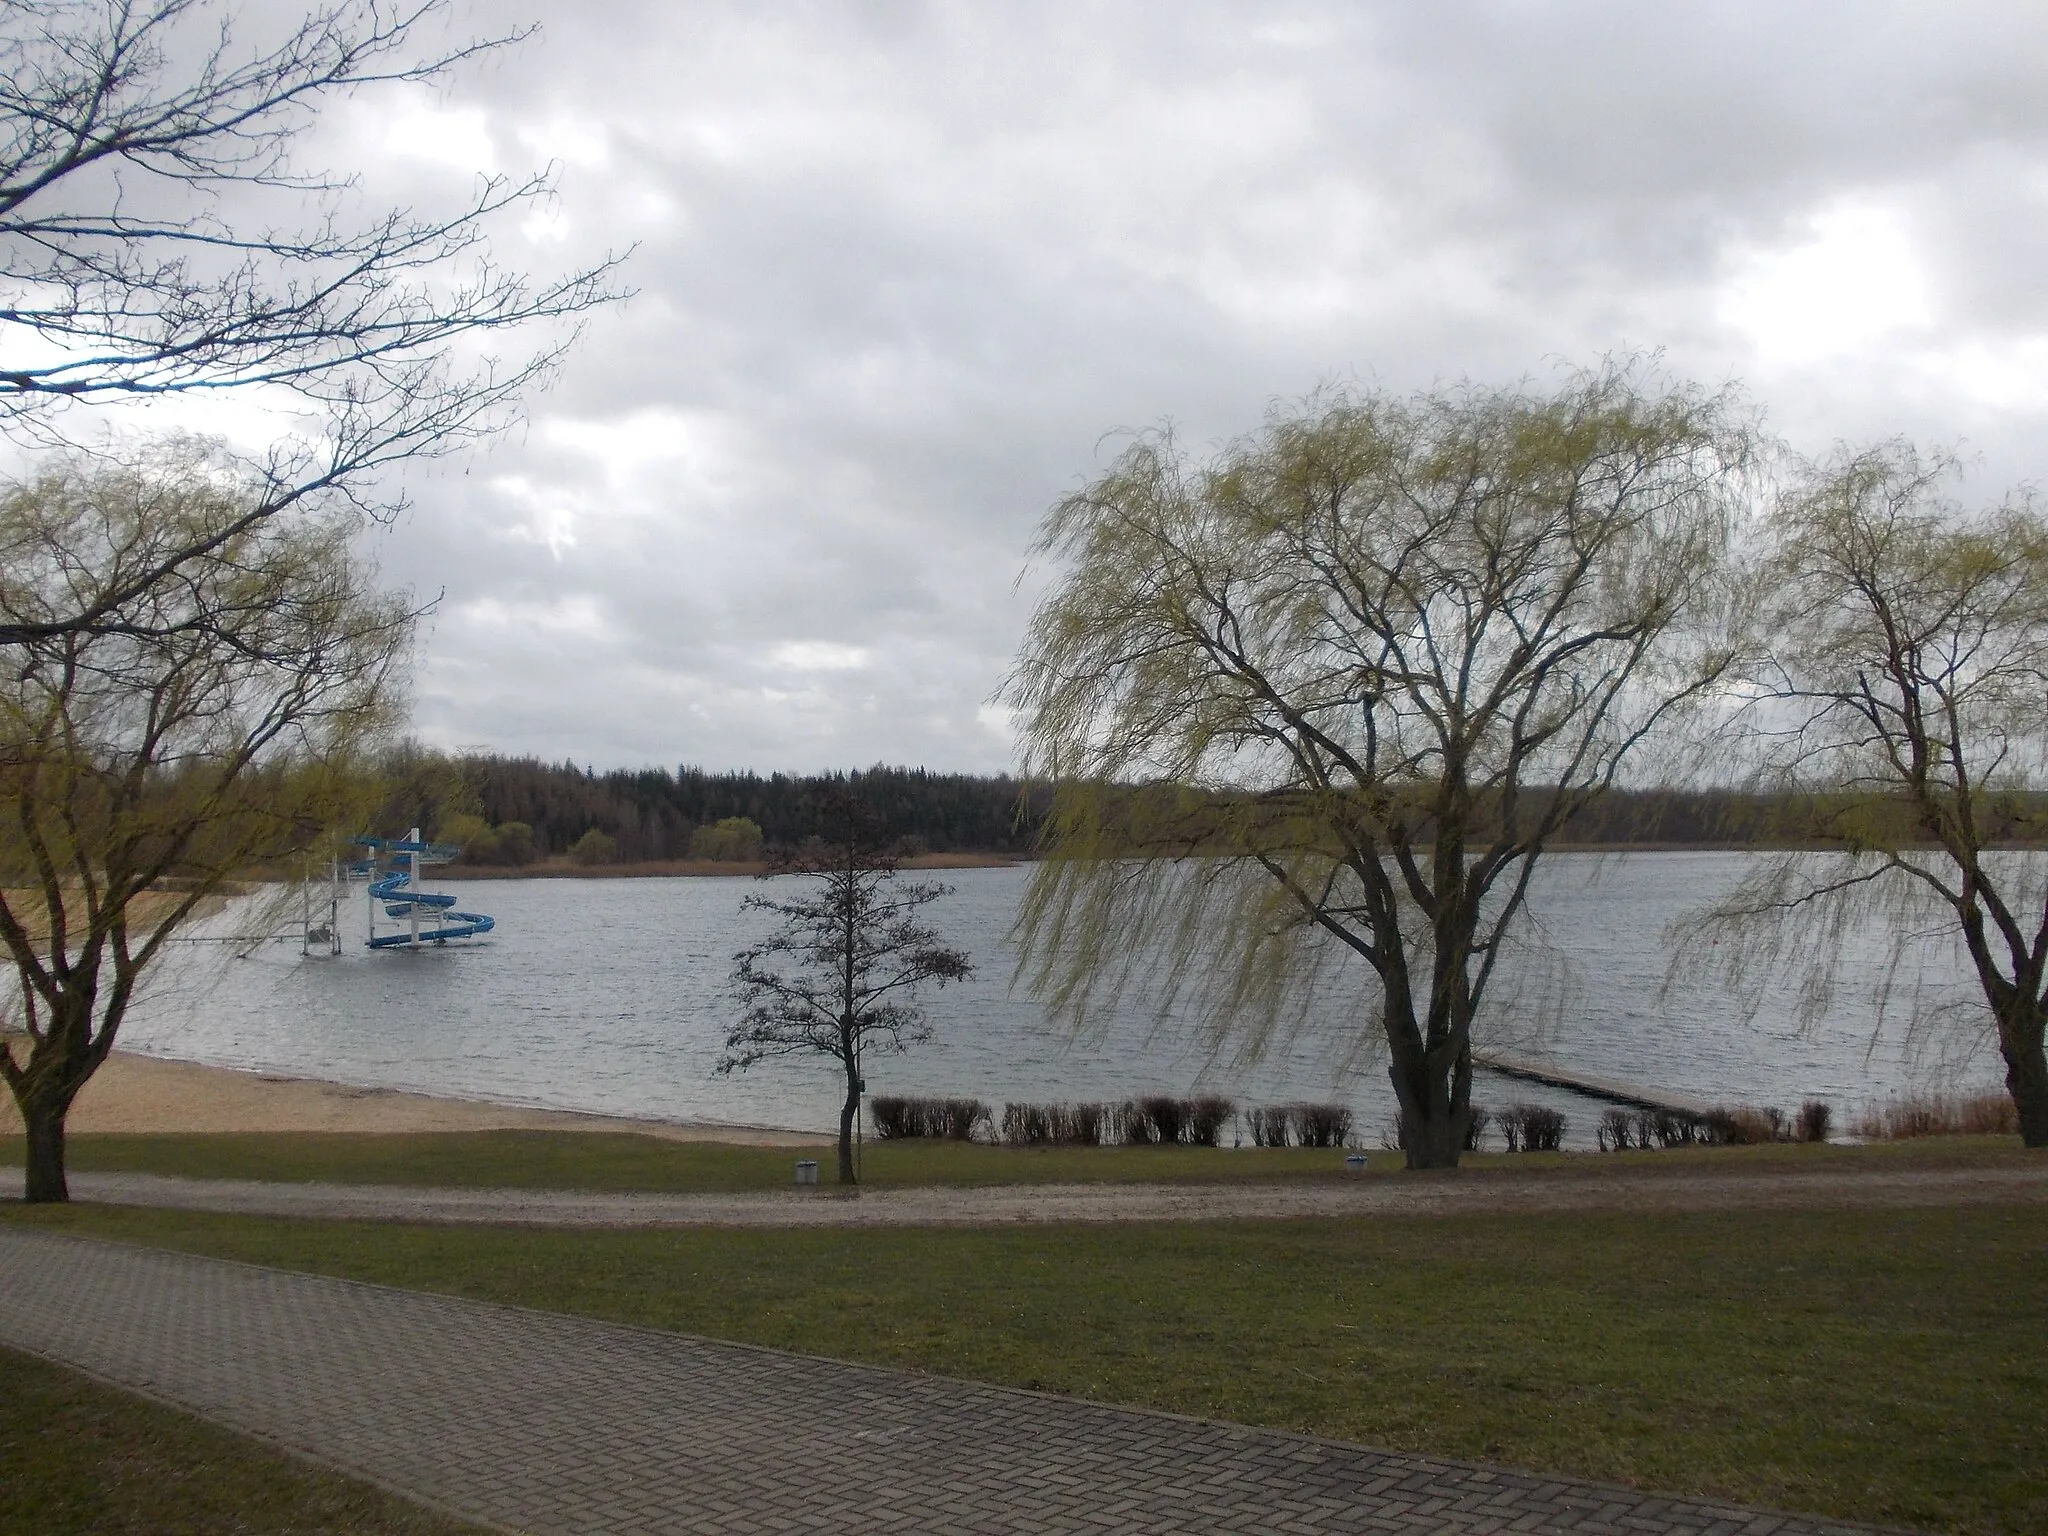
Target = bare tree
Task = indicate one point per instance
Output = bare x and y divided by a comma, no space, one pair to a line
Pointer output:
1900,686
840,974
212,724
158,237
1330,696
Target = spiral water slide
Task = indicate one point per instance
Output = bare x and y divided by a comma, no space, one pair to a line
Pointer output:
398,890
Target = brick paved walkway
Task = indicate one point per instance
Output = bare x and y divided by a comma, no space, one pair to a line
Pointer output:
541,1423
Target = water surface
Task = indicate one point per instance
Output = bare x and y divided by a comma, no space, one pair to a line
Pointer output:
612,996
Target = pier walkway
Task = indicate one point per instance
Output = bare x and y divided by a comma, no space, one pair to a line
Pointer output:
540,1423
1551,1075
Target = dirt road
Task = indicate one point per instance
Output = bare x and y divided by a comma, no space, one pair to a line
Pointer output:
1849,1186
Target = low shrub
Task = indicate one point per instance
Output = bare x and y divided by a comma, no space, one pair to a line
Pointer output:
1741,1127
1939,1114
1300,1125
1320,1125
1026,1125
1672,1130
1207,1117
1085,1125
1533,1128
1814,1119
1063,1125
1716,1128
1617,1131
1165,1119
1267,1127
895,1118
1621,1130
1161,1120
959,1118
1475,1128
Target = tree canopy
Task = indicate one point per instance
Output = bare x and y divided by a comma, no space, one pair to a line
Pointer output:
159,235
210,725
840,973
1898,679
1369,662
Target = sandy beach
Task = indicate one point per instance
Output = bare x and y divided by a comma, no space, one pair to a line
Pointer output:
145,1093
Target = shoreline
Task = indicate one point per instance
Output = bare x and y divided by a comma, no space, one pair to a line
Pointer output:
686,869
136,1094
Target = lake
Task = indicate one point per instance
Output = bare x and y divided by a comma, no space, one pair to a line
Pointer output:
611,996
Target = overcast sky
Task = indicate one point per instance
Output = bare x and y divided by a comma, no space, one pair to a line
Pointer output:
904,270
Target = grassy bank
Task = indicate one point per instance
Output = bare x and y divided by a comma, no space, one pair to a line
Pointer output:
82,1458
628,1161
1889,1366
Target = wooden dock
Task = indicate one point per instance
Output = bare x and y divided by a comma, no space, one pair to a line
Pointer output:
1631,1094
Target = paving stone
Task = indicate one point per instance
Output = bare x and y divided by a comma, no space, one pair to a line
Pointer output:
548,1424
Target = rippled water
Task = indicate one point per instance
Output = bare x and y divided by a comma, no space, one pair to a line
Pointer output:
610,996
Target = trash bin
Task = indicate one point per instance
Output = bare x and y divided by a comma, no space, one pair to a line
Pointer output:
1354,1162
806,1172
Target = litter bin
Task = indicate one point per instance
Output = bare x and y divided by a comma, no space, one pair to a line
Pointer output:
806,1172
1354,1162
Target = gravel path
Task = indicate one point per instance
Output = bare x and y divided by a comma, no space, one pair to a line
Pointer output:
1650,1189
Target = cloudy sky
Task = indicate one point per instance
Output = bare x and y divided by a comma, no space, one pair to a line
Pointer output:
904,270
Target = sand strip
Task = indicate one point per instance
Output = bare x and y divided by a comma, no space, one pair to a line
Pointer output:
146,1093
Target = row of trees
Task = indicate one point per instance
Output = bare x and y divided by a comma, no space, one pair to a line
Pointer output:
652,814
1368,671
1377,658
1372,662
518,811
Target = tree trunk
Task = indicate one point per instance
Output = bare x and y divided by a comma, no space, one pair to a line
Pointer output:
1432,1140
1436,1110
847,1112
45,1182
2026,1069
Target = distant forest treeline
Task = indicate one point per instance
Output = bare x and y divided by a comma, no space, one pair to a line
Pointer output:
652,815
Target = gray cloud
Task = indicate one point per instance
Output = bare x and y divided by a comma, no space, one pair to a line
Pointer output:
902,267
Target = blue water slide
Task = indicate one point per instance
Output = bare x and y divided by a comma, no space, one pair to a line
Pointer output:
400,902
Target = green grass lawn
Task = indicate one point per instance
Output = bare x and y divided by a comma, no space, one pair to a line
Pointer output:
1889,1366
629,1161
82,1458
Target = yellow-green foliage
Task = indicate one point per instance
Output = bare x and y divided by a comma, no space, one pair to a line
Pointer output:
1311,707
217,711
731,839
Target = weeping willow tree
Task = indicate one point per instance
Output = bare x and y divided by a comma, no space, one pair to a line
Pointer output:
1900,686
210,726
1325,699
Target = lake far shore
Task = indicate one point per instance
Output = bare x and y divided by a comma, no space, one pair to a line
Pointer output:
560,868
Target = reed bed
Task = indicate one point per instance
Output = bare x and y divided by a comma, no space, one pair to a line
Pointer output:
1939,1114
